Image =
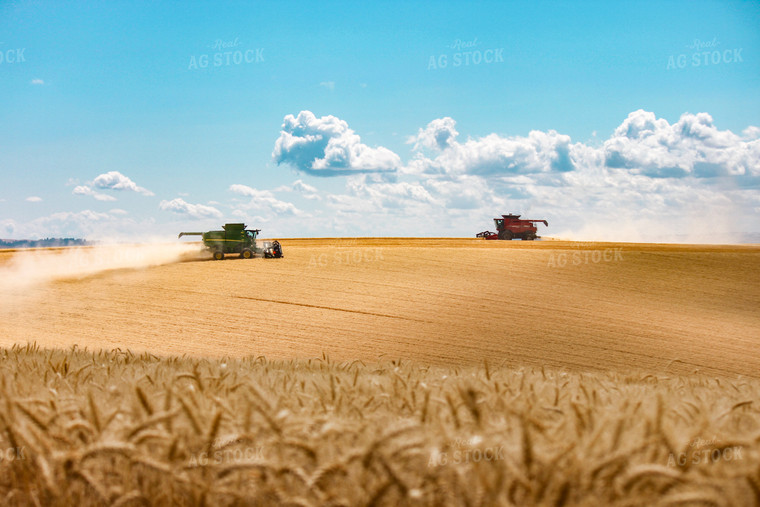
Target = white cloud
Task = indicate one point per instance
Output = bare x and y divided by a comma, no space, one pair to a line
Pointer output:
114,180
264,200
327,147
330,85
37,81
198,211
463,192
643,144
33,198
751,133
438,135
306,190
385,194
85,190
648,181
692,146
540,152
118,211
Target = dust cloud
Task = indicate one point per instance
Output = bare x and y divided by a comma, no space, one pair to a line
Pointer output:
32,268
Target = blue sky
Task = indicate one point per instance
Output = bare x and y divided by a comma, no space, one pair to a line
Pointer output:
93,88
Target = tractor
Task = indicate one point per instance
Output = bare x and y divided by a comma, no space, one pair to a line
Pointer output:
511,227
235,238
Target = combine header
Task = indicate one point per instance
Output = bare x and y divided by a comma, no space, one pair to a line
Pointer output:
511,227
235,238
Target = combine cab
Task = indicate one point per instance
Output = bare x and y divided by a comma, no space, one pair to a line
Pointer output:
511,227
235,238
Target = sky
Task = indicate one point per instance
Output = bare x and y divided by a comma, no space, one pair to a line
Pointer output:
635,121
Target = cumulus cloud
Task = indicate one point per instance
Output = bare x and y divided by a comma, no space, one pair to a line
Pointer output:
327,147
540,152
751,133
304,188
643,144
37,81
264,200
114,180
86,190
649,180
692,146
438,135
197,211
33,198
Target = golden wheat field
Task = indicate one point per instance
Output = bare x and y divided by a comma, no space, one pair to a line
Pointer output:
382,372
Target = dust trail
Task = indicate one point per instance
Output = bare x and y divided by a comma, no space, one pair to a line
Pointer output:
33,268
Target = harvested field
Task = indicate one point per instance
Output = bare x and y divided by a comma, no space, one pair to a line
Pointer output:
660,308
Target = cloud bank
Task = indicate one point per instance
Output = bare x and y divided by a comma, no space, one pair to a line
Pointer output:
649,180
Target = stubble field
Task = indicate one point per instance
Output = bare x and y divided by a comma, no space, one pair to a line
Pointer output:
438,301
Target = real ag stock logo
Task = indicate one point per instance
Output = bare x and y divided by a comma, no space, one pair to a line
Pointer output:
226,53
703,452
705,53
465,54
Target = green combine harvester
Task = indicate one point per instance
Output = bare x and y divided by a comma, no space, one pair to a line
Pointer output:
236,239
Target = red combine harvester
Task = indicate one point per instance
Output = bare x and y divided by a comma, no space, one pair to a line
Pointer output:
511,227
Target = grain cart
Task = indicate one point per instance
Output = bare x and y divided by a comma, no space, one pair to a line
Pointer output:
235,238
512,226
